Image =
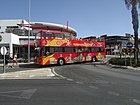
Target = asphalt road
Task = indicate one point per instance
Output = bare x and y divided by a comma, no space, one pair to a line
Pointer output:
76,84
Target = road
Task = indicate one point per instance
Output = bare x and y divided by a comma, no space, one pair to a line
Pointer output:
75,84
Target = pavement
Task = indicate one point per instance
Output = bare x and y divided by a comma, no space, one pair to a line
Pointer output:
126,67
119,66
18,72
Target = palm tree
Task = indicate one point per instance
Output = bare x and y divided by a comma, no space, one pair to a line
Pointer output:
134,4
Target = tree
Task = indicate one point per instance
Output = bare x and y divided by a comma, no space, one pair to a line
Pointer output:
134,5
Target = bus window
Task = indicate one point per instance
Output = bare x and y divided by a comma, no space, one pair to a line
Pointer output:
69,49
42,51
95,49
58,49
78,49
52,50
47,51
101,49
87,49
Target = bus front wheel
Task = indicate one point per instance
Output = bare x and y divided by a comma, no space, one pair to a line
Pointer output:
60,62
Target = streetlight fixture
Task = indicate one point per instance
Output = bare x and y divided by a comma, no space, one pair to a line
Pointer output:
28,31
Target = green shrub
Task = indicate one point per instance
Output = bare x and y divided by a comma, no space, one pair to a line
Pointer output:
117,61
121,61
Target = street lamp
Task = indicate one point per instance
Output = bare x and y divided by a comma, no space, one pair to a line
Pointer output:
29,31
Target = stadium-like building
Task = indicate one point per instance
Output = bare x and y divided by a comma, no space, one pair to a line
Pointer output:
14,35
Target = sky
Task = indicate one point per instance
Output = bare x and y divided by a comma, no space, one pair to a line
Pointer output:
87,17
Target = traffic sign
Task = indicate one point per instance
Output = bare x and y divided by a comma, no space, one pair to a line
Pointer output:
130,50
125,50
129,45
3,50
136,49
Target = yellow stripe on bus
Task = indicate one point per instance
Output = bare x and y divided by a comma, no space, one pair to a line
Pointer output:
46,59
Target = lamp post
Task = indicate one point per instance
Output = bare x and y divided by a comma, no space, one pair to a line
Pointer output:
29,31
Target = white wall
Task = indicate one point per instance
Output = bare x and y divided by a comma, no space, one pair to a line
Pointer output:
15,39
9,38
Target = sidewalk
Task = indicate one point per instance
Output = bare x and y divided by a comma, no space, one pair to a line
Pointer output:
125,67
119,66
29,74
32,73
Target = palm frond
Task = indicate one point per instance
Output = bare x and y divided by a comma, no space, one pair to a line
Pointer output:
128,3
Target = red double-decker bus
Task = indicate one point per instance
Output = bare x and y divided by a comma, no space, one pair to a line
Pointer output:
52,47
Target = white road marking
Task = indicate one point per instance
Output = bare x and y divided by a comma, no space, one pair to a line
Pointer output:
113,93
136,101
79,82
57,74
70,79
102,81
93,87
25,94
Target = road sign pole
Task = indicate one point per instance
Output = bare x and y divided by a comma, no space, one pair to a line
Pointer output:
135,56
125,60
4,61
3,51
130,60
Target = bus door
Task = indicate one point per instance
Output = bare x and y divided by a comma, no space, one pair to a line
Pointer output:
44,55
37,55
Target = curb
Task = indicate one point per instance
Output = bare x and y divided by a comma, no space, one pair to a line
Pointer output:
124,67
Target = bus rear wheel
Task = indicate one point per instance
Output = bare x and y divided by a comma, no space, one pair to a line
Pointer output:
61,62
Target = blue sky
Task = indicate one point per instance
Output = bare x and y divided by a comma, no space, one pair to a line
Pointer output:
88,17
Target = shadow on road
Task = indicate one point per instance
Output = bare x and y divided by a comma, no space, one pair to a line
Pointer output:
32,65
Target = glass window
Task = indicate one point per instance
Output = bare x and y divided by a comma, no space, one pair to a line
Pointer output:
95,49
58,49
101,49
52,50
47,51
69,49
87,49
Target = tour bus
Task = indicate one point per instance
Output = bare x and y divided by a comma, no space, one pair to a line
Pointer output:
53,47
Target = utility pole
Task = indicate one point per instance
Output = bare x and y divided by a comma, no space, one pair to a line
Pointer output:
28,31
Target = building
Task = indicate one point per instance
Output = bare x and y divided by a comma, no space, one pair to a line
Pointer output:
14,35
115,43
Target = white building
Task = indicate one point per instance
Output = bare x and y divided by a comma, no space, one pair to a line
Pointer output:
13,35
9,40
